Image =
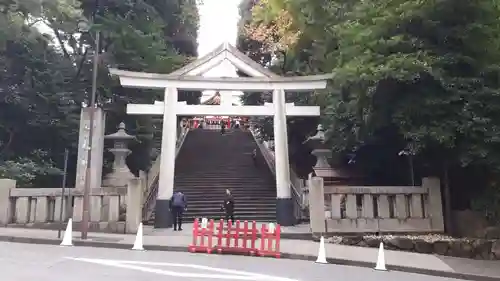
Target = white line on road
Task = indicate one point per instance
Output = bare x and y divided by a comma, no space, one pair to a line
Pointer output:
229,273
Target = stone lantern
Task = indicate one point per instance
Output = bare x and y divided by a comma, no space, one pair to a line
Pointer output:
121,174
322,153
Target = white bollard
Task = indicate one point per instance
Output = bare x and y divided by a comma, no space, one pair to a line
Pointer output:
138,243
322,251
381,258
68,234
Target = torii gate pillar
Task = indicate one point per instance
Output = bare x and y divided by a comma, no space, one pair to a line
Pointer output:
163,216
284,203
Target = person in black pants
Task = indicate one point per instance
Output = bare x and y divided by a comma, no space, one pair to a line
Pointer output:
178,205
254,157
222,128
228,206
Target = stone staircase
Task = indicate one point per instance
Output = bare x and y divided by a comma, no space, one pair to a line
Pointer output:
209,162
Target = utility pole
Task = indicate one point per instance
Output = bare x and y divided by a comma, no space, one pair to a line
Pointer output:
92,110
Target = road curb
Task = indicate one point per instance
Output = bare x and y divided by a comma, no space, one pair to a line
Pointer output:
114,245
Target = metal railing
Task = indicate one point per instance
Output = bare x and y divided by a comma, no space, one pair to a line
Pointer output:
151,190
297,184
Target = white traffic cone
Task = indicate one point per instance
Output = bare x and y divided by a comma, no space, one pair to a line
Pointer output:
138,240
322,252
68,234
381,258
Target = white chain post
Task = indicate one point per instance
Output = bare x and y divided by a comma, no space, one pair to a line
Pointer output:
204,223
271,227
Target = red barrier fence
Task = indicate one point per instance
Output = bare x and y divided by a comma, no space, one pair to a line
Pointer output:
240,238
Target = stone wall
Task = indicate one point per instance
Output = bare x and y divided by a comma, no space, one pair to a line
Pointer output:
487,248
375,209
46,208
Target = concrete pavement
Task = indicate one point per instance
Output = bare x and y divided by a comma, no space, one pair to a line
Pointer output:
26,262
167,240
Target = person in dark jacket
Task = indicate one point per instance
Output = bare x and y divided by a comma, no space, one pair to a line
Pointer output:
228,206
178,205
222,128
254,157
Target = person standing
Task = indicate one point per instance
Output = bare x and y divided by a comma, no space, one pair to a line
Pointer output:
222,128
254,157
228,206
178,205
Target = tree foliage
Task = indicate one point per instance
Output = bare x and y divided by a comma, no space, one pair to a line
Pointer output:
414,76
46,69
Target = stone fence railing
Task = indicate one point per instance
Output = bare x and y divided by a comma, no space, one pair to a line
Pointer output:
153,173
350,209
42,206
151,188
297,184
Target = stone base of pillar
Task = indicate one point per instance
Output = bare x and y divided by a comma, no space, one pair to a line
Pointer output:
284,212
163,216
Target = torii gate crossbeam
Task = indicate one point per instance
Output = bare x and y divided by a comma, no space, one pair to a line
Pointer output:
183,109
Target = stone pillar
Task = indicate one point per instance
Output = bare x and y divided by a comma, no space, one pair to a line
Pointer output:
317,205
284,203
435,206
163,217
134,209
78,209
41,209
97,148
5,205
22,210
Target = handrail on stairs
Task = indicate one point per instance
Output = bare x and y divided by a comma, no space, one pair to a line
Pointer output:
297,184
151,190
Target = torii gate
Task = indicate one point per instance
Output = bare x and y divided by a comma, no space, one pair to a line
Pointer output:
187,78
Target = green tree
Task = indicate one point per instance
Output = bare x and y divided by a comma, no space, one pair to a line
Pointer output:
46,64
418,76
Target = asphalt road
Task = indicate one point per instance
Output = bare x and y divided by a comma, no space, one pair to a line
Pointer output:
28,262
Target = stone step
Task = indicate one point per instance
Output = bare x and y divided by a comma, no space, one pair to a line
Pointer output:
219,197
238,210
190,219
222,185
218,213
221,188
225,176
210,193
239,203
221,167
209,163
221,191
222,179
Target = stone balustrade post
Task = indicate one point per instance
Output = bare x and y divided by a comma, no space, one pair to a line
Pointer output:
317,205
5,205
435,206
134,205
